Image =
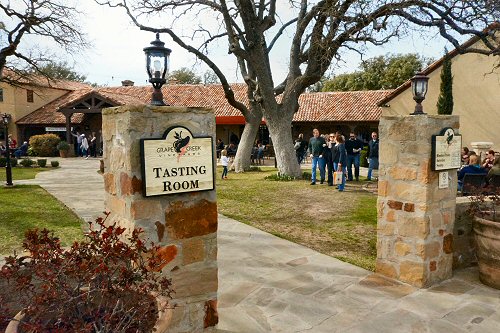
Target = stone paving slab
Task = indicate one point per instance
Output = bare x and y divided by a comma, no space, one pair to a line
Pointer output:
267,284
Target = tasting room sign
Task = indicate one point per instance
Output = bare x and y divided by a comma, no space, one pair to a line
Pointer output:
177,163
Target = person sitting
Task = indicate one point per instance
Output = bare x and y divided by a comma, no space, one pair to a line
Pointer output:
488,161
494,171
22,151
12,142
3,149
473,168
465,156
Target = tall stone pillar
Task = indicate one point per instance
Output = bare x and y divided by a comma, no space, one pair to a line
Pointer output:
184,225
415,216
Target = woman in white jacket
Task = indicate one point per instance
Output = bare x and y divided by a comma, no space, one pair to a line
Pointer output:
84,146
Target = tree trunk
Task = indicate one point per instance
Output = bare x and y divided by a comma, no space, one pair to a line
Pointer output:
280,129
242,159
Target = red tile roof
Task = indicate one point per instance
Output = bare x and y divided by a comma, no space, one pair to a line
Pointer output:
328,106
42,81
348,106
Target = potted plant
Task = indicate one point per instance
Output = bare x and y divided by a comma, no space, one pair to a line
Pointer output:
63,148
100,284
484,207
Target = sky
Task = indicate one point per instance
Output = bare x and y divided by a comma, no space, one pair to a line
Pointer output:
117,52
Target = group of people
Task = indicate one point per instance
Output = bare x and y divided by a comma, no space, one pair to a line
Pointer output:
335,156
472,164
85,147
13,148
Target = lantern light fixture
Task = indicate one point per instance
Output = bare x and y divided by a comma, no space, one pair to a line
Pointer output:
157,63
419,85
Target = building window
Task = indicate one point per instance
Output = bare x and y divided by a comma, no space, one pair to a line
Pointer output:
29,96
1,94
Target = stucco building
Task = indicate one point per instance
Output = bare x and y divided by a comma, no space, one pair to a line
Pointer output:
66,107
476,95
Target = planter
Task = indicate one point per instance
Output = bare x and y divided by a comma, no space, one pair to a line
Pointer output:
14,324
487,235
63,153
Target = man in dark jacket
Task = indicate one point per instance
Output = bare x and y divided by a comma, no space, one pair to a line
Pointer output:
316,146
300,148
353,147
372,155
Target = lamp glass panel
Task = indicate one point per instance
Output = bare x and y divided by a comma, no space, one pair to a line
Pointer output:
156,64
420,88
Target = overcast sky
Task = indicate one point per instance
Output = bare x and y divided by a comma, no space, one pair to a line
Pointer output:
117,50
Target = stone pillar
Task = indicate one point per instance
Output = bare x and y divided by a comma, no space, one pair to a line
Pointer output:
415,217
184,225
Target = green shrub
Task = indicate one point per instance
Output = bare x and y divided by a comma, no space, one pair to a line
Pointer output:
306,175
280,177
42,162
364,154
54,164
3,162
26,162
63,145
31,152
254,168
45,144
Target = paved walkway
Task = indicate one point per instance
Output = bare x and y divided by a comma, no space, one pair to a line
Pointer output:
267,284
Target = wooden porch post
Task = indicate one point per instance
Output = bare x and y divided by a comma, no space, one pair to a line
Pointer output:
68,127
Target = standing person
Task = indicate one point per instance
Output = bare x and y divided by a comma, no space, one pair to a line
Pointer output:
328,155
316,146
353,147
84,146
219,147
93,145
372,155
342,155
224,160
78,137
300,148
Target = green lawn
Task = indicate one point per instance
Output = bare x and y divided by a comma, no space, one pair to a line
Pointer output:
24,207
19,173
342,225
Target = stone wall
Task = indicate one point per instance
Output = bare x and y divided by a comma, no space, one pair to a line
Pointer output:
184,225
415,217
464,244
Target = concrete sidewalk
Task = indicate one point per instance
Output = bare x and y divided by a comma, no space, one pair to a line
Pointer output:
267,284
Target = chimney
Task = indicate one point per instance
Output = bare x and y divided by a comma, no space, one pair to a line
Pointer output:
127,83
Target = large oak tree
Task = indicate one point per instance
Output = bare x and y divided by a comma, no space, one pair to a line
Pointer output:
320,31
35,22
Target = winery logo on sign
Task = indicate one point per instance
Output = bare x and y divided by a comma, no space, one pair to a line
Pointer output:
177,163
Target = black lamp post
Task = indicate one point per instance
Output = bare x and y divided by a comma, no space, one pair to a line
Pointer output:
157,61
419,84
8,167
